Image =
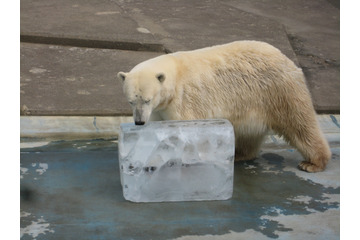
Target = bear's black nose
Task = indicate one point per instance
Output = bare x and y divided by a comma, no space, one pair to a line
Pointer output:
139,123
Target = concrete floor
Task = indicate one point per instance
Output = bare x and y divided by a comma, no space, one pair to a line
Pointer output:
71,50
71,190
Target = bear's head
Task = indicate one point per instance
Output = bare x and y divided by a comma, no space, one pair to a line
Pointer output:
147,87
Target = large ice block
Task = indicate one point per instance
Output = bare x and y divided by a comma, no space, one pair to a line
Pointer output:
177,160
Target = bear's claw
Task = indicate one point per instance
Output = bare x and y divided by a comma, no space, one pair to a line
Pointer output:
309,167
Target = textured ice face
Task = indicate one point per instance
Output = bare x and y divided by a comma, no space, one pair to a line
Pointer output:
177,160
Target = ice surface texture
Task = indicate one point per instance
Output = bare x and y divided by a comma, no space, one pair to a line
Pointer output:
177,160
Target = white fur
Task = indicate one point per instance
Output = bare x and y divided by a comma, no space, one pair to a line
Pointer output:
250,83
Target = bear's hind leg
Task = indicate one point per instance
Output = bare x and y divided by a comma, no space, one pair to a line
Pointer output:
316,156
248,140
304,133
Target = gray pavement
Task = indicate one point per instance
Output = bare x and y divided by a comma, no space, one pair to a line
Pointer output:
63,80
72,50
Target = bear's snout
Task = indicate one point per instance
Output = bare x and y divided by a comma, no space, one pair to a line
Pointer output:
139,122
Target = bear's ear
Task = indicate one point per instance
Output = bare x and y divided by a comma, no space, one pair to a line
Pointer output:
160,77
121,75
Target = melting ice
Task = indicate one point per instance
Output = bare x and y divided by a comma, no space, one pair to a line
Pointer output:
177,160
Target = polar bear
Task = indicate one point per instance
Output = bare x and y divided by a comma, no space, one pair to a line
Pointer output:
250,83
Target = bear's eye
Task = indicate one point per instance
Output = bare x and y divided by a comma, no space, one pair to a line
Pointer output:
147,101
132,102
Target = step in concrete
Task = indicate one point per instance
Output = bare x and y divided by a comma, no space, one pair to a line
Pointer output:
86,127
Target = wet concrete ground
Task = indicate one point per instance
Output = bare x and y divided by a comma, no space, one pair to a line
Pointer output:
71,190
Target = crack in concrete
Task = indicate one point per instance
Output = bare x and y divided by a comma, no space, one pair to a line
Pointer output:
94,123
298,47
